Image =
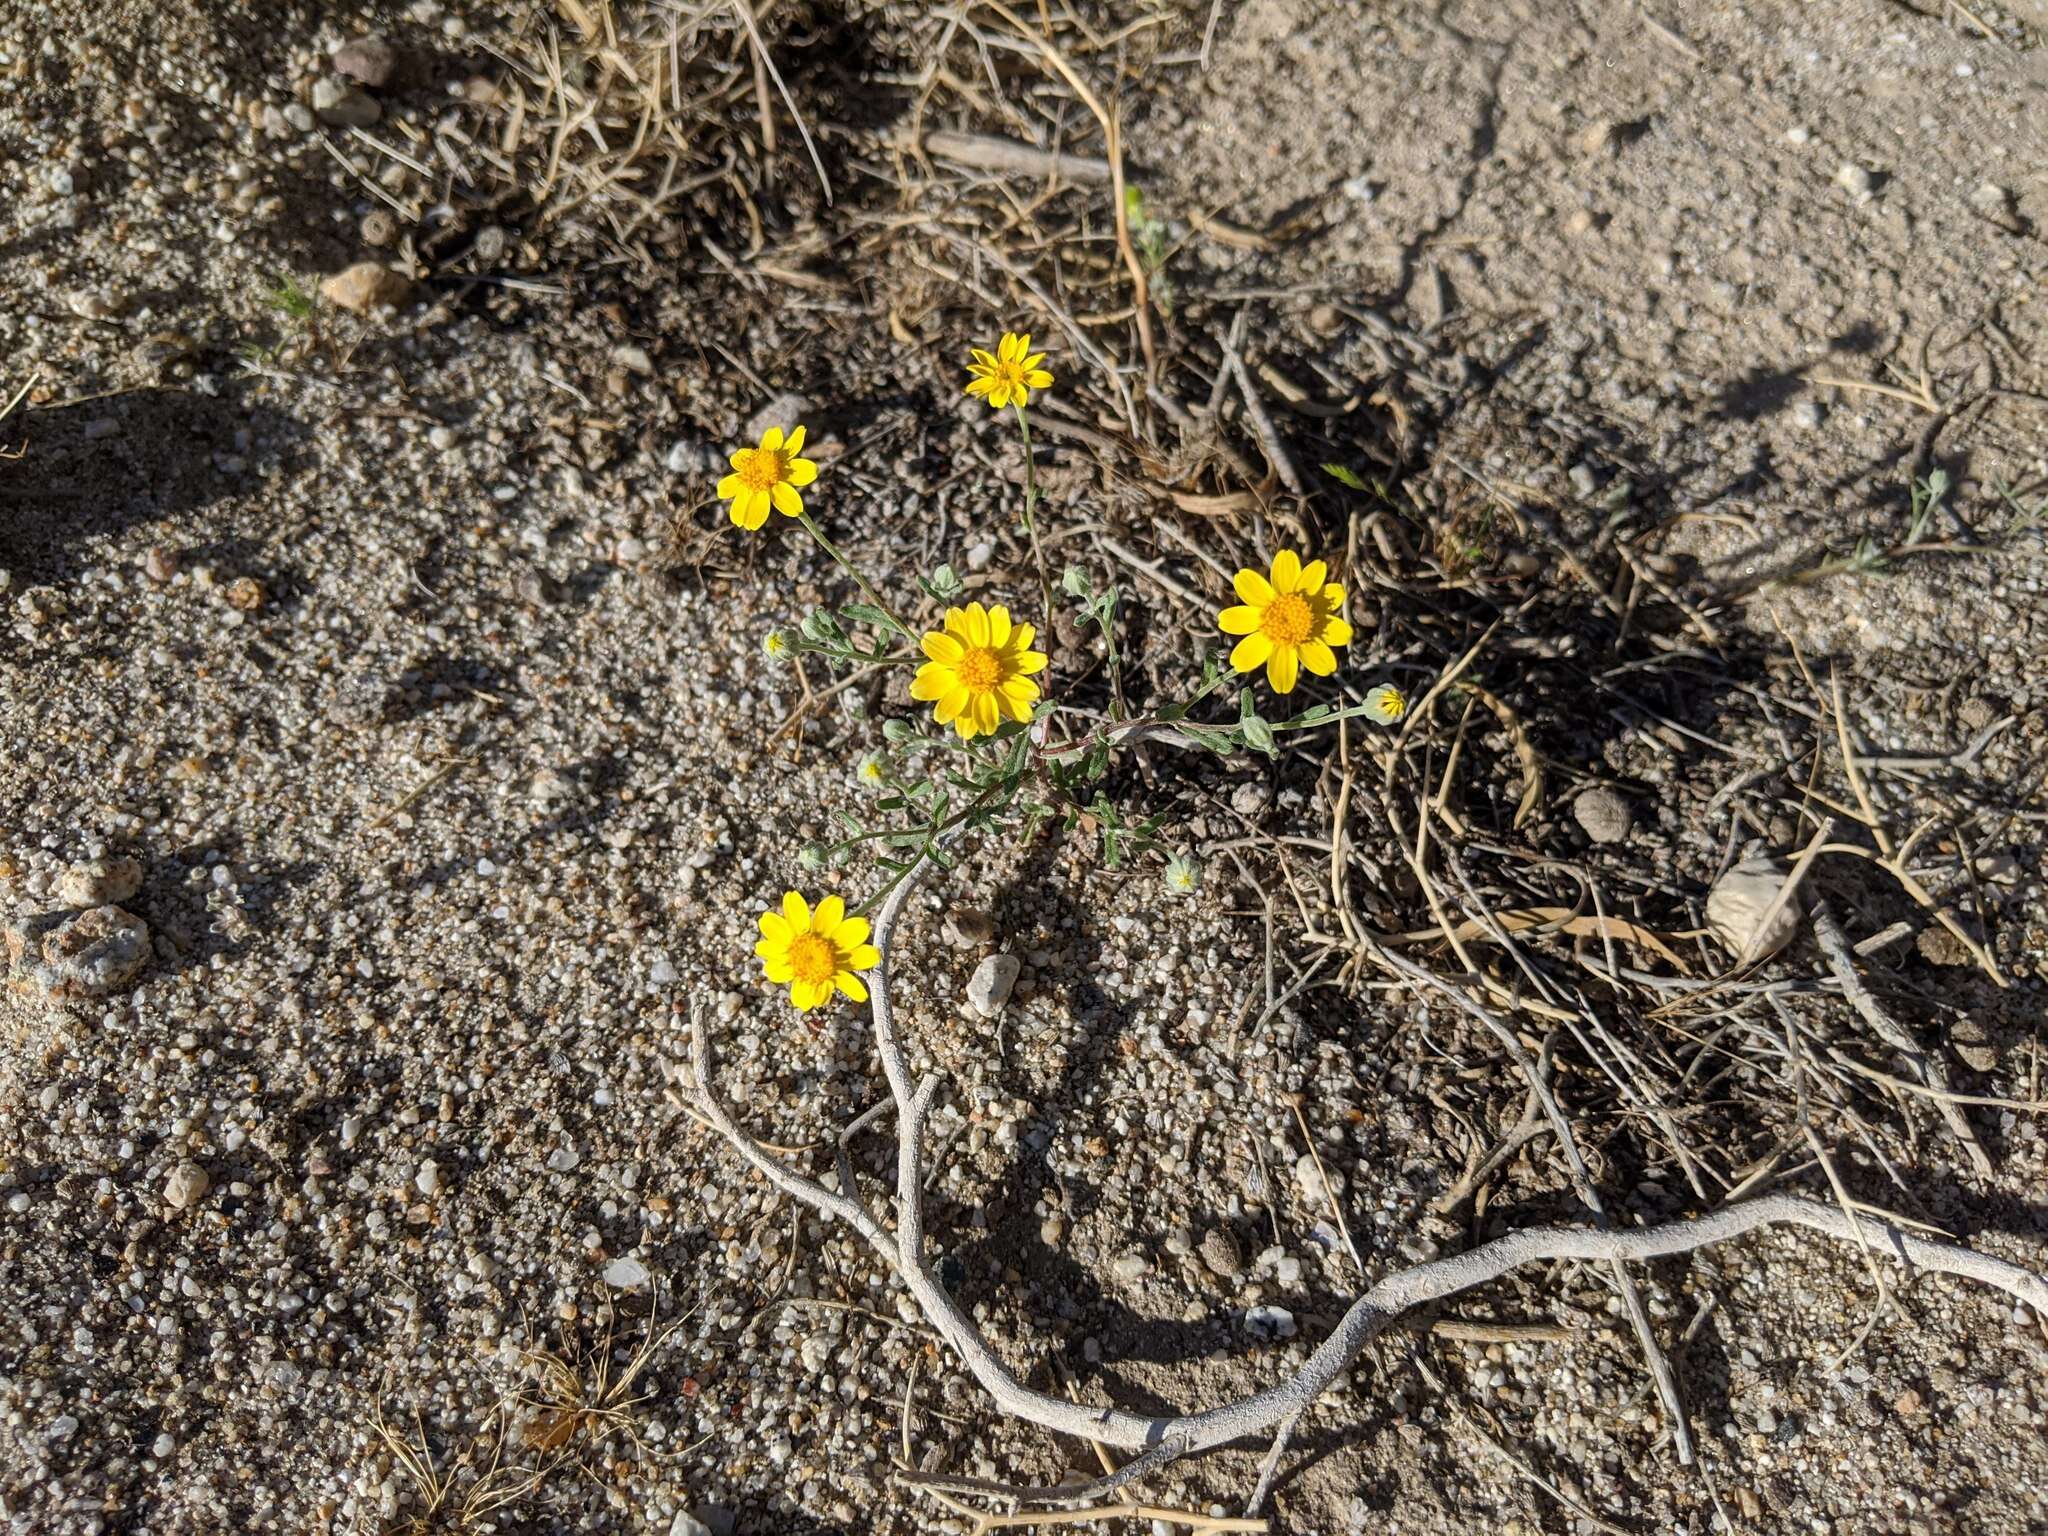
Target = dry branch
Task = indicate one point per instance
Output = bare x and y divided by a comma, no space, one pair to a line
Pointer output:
1163,1438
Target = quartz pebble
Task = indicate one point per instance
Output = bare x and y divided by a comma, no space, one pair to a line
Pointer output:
368,60
186,1186
988,989
366,286
72,955
626,1274
1742,899
96,882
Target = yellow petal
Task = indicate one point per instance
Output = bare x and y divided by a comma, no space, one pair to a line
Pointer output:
851,985
1386,704
1250,653
779,970
1283,668
941,647
965,724
1000,395
797,911
975,622
986,360
1038,378
775,927
1238,621
1254,588
786,500
802,471
1029,363
933,681
771,440
739,457
795,445
1028,662
998,626
827,915
987,714
730,486
1312,576
852,934
865,957
1332,595
952,706
1335,632
768,948
1021,636
1007,349
737,512
810,994
1318,658
1018,696
1020,394
980,386
1023,344
1286,571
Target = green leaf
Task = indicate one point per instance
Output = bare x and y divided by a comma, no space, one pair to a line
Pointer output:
944,585
868,614
1343,474
1074,581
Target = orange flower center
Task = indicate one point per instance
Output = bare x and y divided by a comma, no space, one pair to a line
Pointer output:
979,670
1287,620
812,958
759,469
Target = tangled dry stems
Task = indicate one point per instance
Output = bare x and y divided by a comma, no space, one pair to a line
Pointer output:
1162,1439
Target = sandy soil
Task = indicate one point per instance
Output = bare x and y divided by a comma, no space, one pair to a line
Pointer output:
411,661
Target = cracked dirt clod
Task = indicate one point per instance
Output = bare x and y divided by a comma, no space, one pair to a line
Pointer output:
74,955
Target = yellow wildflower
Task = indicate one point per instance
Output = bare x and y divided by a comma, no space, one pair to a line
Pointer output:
816,950
980,670
1011,374
1386,703
767,476
1289,620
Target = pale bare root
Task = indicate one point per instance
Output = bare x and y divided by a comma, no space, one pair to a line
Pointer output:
1163,1439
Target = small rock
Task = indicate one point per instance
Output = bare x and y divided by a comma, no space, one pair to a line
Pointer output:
786,410
633,359
1938,946
245,594
341,105
366,286
428,1179
159,564
1251,798
73,955
1996,204
687,1524
1855,180
1798,133
1325,320
626,1274
1052,1229
1131,1266
378,228
1807,415
1270,1322
1739,902
688,458
989,988
99,881
549,785
368,60
969,927
186,1186
1968,1037
1977,713
1221,1253
1603,814
1318,1183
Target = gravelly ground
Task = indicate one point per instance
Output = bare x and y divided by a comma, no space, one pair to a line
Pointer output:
447,791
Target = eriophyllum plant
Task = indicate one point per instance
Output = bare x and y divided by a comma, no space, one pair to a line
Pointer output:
993,752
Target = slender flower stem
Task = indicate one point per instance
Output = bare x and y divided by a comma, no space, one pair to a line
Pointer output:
847,566
1031,522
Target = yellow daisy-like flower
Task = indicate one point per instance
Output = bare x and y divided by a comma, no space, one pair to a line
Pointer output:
980,670
1289,620
767,476
1011,374
816,950
1386,703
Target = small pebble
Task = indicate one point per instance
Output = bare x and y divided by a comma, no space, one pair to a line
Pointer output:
1855,180
989,988
186,1186
625,1274
1603,814
368,60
